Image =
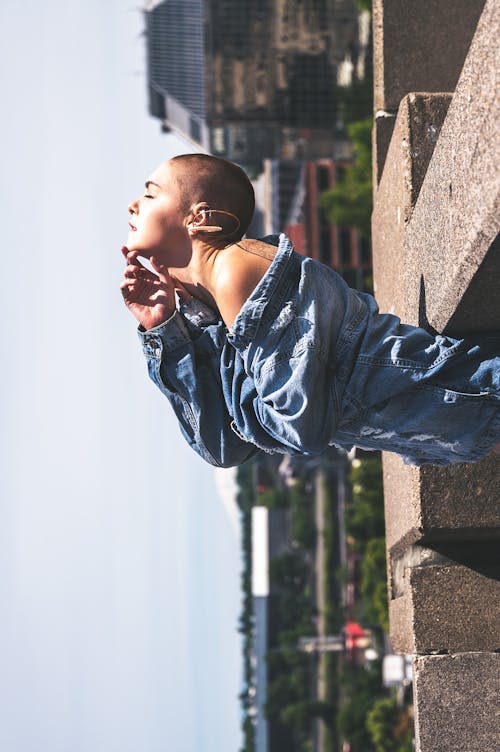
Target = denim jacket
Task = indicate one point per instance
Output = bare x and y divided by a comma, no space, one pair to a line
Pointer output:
310,363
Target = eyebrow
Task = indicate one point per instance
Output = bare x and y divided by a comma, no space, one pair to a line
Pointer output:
150,182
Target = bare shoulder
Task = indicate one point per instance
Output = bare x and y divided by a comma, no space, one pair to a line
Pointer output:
258,248
240,269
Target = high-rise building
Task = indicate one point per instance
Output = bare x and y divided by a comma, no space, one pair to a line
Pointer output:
248,80
290,203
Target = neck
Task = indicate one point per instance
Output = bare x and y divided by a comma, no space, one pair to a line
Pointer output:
197,275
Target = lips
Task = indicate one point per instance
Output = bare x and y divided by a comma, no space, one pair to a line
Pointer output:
134,229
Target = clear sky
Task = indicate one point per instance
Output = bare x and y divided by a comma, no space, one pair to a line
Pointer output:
119,564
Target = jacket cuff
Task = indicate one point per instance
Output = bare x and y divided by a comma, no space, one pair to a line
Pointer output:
169,335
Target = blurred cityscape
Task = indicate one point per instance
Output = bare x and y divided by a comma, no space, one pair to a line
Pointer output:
284,88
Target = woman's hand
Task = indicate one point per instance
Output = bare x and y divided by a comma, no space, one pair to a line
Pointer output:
149,297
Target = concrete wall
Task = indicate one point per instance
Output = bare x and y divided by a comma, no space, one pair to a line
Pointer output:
435,228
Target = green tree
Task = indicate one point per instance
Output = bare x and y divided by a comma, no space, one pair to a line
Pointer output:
349,203
248,735
245,499
289,572
356,100
300,715
360,688
245,480
365,514
374,584
302,525
273,498
389,727
281,692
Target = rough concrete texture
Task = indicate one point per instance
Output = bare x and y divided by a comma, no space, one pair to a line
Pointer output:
461,501
437,262
471,313
427,504
462,498
456,702
446,608
420,46
403,522
457,216
383,126
414,137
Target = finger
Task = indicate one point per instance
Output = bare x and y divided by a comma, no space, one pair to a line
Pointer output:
131,279
133,258
127,290
138,272
129,284
162,271
183,294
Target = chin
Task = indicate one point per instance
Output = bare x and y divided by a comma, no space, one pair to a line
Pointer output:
133,245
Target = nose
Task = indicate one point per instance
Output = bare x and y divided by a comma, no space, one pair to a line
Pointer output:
132,207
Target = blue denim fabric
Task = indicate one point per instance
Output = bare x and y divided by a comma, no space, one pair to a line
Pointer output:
310,363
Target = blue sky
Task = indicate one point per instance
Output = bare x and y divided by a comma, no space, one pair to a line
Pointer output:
119,564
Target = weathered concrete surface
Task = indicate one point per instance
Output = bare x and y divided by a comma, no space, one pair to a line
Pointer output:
471,312
419,46
456,702
437,263
449,239
443,606
427,504
383,126
465,500
418,124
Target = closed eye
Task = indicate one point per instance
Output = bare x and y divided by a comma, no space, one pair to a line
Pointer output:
148,195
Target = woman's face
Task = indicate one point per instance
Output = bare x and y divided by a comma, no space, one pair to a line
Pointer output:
157,222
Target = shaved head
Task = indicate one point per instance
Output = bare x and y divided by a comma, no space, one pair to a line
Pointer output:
222,184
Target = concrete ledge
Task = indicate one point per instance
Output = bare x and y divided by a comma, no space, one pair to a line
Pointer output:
429,504
436,225
461,501
456,702
420,46
443,606
471,313
414,136
449,239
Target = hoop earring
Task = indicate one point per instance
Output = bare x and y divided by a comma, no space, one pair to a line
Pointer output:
214,228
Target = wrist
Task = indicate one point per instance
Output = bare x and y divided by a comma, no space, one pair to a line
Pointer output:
150,319
169,335
152,324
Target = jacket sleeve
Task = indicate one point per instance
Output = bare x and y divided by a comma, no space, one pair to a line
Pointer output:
186,369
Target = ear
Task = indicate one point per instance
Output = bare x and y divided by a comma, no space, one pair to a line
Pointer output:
200,220
198,213
197,217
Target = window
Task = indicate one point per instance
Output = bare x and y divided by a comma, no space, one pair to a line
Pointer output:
344,239
365,253
323,178
325,244
195,130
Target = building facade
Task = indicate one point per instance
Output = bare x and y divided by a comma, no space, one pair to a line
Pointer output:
290,203
248,80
